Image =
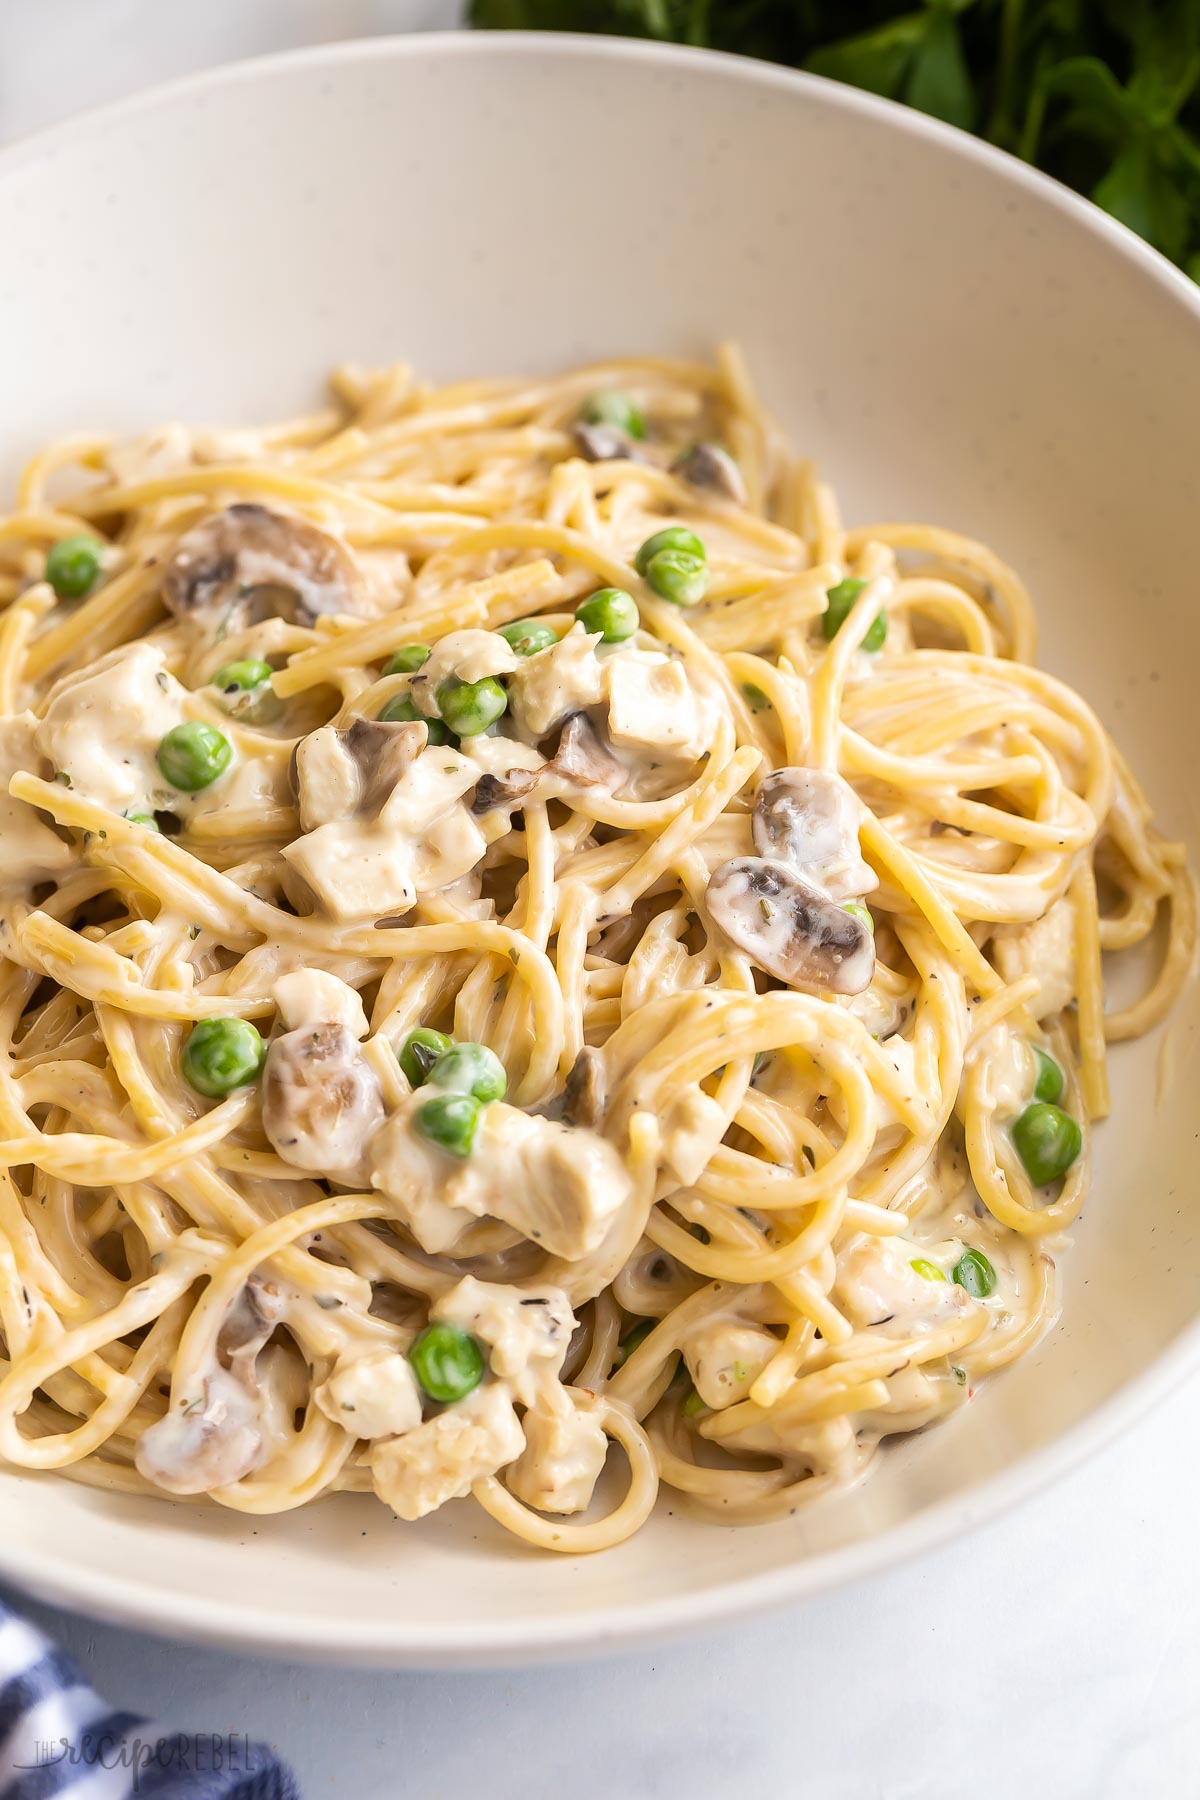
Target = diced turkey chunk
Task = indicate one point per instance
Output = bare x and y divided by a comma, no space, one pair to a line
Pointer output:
877,1285
1045,948
33,851
564,1454
372,1396
558,1186
418,1472
422,840
725,1358
463,656
310,996
810,818
321,1102
1009,1069
425,1195
343,772
692,1127
501,755
527,1334
652,705
102,728
562,679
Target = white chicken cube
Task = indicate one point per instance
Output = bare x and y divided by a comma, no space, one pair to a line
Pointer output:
565,1451
560,680
372,1396
313,996
651,704
418,1472
725,1358
32,850
1045,948
526,1334
102,728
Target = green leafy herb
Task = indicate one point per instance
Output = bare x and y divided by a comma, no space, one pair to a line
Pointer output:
1102,94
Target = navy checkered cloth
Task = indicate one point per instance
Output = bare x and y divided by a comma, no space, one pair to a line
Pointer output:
58,1737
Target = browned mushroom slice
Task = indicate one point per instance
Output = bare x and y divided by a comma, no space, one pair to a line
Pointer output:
337,772
507,790
215,1436
320,1099
248,1324
810,818
600,442
708,466
583,756
583,1095
790,928
264,564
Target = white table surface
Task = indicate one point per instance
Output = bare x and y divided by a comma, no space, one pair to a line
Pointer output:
1055,1653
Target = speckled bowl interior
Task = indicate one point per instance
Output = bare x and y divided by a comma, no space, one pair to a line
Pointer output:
953,337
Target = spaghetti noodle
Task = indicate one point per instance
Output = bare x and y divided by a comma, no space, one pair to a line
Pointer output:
522,931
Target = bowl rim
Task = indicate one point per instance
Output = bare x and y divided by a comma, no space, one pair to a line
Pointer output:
131,1601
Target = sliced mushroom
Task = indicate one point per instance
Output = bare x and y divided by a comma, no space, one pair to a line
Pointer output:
583,756
583,1095
708,466
215,1436
212,1439
810,818
249,1323
790,928
599,442
261,564
337,773
320,1100
507,790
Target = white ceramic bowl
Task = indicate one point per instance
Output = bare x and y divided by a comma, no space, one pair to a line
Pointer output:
953,336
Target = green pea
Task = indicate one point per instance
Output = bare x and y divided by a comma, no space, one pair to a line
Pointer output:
192,755
610,611
671,537
693,1405
407,659
677,577
146,819
469,707
450,1121
675,565
251,672
448,1362
528,636
974,1272
420,1050
927,1269
1050,1079
613,407
841,598
73,564
222,1054
1047,1140
400,707
471,1069
634,1341
858,911
759,702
